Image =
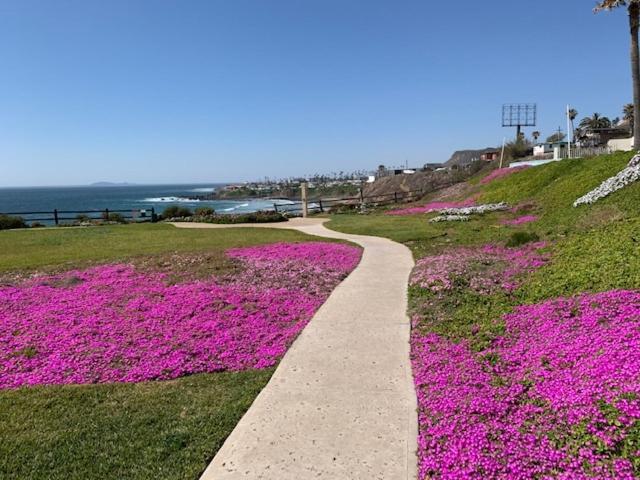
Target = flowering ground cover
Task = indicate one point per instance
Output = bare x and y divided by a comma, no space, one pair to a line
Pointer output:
556,396
500,173
431,207
533,376
481,269
520,220
112,323
167,429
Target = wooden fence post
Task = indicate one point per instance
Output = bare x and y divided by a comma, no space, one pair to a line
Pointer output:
395,196
320,204
55,216
275,207
305,204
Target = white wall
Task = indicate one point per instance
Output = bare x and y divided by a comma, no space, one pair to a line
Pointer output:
624,144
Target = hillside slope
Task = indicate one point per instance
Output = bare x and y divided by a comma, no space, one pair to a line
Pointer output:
525,325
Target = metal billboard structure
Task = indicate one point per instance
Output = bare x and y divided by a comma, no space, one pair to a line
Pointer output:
519,115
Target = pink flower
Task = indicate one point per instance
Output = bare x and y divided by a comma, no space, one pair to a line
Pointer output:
501,173
520,220
432,207
484,269
516,409
114,324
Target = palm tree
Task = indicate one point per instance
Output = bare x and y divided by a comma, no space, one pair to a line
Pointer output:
535,135
595,122
633,7
573,114
628,115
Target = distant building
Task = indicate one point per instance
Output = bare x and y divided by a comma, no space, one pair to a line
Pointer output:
433,166
596,137
490,156
542,149
621,144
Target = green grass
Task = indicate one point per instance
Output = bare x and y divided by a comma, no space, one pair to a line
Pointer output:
550,189
152,430
29,249
594,248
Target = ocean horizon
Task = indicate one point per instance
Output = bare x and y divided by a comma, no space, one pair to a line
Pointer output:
20,200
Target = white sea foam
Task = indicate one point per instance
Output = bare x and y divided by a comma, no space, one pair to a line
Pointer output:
204,190
171,200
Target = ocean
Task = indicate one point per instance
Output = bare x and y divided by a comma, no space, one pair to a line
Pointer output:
130,197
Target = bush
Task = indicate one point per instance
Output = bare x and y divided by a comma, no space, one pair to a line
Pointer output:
175,211
37,225
113,217
346,208
253,217
7,222
204,211
82,218
520,238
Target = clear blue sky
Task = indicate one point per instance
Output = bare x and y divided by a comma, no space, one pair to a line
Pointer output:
204,91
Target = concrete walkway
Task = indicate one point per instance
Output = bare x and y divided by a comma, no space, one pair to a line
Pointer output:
341,404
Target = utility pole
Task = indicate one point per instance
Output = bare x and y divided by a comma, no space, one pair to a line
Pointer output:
305,205
504,141
569,132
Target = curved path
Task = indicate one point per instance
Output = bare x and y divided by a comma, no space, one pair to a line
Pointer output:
341,404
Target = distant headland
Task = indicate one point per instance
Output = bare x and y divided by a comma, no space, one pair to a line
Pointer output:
111,184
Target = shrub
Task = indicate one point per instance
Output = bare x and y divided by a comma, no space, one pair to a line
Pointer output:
345,208
37,225
204,211
175,211
113,217
8,221
84,218
253,217
520,238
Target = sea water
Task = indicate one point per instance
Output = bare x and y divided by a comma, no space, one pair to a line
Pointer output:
130,197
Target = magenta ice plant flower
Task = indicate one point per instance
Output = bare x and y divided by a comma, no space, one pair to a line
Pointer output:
432,207
501,173
114,324
533,404
484,269
520,220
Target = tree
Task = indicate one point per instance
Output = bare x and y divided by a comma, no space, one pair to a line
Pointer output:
595,122
536,135
628,115
556,137
633,8
573,114
518,148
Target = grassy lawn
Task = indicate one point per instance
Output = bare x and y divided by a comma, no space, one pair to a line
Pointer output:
37,248
152,430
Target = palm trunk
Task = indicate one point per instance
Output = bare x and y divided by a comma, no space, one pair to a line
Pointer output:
634,24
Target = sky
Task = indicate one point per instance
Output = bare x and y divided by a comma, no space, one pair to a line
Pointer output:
180,91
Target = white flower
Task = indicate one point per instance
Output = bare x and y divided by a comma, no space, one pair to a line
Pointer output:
625,177
450,218
489,207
